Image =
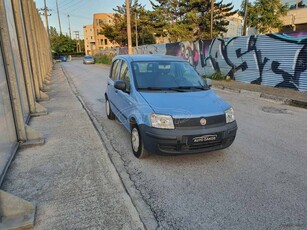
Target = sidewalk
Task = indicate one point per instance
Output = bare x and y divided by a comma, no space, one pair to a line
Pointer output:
288,96
70,178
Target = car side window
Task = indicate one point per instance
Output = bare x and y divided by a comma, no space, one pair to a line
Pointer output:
115,70
125,76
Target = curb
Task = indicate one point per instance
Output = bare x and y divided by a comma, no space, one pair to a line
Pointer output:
274,98
296,103
286,101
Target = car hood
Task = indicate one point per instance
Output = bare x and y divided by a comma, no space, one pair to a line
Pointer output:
183,104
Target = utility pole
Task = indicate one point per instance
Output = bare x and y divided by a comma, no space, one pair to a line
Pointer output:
45,13
57,8
69,25
46,17
293,22
245,18
211,27
136,31
128,27
78,41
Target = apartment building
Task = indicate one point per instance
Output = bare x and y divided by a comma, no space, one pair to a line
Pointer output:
89,39
93,39
296,18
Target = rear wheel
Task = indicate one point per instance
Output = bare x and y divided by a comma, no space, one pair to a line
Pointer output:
137,143
109,111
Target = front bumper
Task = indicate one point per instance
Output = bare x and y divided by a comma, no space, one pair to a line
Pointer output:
89,62
179,140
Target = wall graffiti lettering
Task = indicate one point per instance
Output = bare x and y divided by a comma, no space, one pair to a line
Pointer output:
277,60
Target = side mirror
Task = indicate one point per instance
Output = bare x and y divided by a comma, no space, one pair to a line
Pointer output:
120,85
209,82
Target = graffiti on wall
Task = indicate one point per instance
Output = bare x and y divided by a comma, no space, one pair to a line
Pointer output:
278,60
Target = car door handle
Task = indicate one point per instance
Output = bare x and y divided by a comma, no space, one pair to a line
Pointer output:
108,83
116,91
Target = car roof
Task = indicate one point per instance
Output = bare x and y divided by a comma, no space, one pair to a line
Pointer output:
142,57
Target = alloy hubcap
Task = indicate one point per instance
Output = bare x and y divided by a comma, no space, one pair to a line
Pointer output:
135,139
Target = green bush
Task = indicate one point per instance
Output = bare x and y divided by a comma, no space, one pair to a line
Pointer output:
104,58
218,76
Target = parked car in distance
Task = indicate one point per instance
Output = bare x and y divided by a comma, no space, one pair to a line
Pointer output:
88,60
167,107
61,58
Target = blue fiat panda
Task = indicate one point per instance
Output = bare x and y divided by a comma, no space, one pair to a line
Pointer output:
167,107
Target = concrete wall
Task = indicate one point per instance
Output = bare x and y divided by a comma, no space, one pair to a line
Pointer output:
277,60
25,62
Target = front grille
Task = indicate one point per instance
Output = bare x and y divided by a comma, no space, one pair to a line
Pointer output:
186,148
195,122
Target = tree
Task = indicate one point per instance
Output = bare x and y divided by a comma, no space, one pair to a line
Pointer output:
61,43
265,15
198,13
191,19
169,20
118,30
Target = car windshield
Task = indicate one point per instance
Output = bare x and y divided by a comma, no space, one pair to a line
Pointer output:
88,57
165,75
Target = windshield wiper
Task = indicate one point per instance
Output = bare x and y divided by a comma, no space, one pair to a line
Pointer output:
151,88
190,88
178,89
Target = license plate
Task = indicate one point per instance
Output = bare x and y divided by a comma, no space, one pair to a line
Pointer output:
203,138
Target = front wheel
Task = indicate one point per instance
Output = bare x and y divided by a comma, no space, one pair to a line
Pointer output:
109,111
137,143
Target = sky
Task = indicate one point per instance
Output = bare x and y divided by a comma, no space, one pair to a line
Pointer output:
81,12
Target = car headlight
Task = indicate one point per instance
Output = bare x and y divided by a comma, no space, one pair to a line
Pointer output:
162,121
230,116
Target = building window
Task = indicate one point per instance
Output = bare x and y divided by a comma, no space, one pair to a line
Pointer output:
101,41
106,42
97,22
91,37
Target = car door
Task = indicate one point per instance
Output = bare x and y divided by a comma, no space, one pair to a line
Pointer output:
111,91
125,102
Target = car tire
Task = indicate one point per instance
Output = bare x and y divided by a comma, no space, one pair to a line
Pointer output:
109,111
137,143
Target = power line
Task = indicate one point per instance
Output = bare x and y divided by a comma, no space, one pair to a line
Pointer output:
75,4
74,15
66,4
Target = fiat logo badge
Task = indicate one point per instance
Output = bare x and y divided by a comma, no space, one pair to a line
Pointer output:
203,121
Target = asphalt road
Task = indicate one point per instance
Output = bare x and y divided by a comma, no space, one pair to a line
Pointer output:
260,182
